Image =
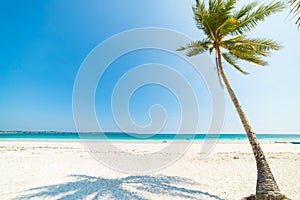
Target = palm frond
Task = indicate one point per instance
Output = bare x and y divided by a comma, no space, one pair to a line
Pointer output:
196,47
201,17
262,44
252,18
295,9
257,46
248,57
210,19
233,61
227,27
245,10
229,6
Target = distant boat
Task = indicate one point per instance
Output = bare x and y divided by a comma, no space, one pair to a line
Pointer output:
281,142
295,142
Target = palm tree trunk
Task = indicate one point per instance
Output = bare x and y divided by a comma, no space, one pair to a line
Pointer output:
266,187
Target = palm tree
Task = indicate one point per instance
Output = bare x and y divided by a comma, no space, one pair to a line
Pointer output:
224,28
295,9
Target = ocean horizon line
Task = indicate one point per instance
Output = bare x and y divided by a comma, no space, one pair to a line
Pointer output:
146,133
51,135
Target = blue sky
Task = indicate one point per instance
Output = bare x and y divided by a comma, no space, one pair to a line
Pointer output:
43,44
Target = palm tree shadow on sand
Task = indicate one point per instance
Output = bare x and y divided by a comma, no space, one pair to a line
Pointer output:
131,187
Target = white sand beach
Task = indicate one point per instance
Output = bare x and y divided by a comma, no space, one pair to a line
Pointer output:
65,170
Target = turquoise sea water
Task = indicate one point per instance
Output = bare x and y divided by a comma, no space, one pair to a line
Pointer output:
124,136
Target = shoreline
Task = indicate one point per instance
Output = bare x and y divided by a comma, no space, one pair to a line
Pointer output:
216,141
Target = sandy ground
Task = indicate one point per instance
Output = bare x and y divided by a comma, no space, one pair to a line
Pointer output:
65,170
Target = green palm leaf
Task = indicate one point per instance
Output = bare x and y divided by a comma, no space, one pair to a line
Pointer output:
248,57
252,18
233,61
227,27
239,14
196,47
295,9
258,46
